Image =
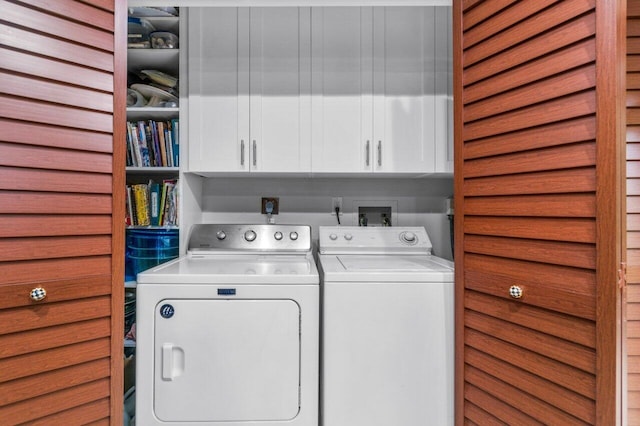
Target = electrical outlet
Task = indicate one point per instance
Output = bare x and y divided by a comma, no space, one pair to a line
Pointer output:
270,205
336,202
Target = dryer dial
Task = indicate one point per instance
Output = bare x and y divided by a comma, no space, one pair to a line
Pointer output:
250,235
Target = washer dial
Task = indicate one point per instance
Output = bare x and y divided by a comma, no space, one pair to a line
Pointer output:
409,238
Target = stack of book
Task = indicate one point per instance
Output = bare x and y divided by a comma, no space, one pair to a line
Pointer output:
152,204
153,143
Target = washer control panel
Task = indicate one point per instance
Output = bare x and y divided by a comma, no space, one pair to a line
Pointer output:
235,237
365,239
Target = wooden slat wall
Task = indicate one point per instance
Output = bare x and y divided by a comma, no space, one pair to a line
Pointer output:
61,359
633,213
528,213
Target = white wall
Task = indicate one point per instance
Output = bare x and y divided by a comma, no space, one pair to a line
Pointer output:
417,202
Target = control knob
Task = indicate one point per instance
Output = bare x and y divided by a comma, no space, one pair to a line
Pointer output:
408,237
348,237
333,237
278,235
250,235
293,236
221,235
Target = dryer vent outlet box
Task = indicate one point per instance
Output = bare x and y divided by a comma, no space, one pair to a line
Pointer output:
270,205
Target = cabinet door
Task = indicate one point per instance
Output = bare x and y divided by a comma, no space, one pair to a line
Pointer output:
62,162
280,103
342,89
444,91
538,193
404,89
218,89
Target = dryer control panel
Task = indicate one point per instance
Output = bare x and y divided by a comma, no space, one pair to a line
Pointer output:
360,239
250,238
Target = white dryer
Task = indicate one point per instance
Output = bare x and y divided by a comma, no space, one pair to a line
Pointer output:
387,340
228,335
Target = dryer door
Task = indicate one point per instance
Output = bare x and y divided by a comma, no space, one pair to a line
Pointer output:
226,360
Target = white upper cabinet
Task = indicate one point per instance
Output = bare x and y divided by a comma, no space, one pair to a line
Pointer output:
376,88
342,89
280,70
249,87
404,89
444,91
218,90
319,90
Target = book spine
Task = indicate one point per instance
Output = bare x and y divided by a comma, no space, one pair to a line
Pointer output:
162,144
171,203
152,140
128,147
167,138
175,138
144,147
163,201
154,203
132,132
142,204
129,218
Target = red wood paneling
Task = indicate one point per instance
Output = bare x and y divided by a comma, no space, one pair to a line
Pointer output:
633,207
61,89
534,164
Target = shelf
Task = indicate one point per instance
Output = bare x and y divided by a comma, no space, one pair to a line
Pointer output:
165,60
153,227
152,170
164,23
146,113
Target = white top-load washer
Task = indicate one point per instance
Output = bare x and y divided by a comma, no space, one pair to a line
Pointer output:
387,339
228,335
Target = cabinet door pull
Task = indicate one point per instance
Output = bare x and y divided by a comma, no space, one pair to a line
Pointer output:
380,153
242,152
516,292
254,152
368,154
38,294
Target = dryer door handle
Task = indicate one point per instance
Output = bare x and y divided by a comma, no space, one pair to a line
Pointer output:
172,361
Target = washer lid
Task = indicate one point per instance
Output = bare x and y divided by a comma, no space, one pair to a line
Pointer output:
386,268
234,269
391,263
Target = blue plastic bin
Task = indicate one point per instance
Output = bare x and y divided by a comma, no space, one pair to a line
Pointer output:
147,248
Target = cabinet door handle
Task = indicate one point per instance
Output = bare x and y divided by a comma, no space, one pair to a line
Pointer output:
368,153
242,152
516,291
254,152
379,153
38,294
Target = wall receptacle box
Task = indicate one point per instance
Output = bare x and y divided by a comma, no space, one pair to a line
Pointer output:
270,205
375,213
